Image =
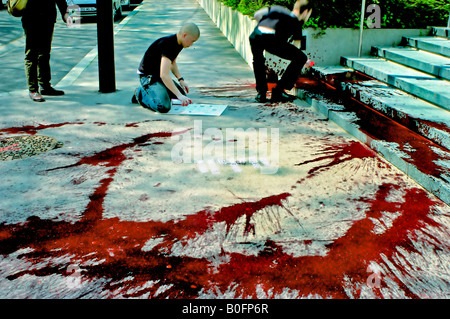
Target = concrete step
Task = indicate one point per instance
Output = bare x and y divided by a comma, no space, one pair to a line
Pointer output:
436,45
417,83
418,157
431,63
441,32
418,115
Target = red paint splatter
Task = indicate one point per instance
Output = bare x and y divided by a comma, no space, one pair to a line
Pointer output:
338,154
120,244
422,153
348,256
33,129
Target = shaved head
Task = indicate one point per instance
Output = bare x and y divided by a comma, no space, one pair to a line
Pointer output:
191,29
188,34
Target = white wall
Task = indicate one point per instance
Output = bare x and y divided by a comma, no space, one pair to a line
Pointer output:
234,25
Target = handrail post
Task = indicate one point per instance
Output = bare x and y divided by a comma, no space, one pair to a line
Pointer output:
361,26
448,23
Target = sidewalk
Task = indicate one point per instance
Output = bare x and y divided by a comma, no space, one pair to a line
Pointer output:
117,213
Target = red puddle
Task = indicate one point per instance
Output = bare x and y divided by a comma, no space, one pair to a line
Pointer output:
422,127
421,152
32,130
119,243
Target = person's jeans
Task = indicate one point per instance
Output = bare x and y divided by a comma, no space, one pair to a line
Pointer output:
154,95
261,42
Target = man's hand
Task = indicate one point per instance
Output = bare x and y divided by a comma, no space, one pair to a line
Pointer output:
184,86
185,101
68,20
305,15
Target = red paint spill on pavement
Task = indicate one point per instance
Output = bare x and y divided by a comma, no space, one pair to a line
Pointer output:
129,264
119,244
339,154
419,151
348,256
33,129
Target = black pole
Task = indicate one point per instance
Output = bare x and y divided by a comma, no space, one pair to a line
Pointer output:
105,41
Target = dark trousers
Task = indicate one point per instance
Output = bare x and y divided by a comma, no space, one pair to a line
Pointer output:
259,43
38,44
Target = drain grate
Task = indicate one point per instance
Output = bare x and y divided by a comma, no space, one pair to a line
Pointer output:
20,147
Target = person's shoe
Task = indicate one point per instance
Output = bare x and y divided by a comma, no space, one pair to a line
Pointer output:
134,99
261,98
51,91
36,97
281,96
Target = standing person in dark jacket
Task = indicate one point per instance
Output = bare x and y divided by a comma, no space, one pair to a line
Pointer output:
276,26
38,22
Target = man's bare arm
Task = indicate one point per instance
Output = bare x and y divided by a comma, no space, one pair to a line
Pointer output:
166,68
177,74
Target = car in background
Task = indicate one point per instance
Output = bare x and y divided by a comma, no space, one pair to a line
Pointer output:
79,9
125,4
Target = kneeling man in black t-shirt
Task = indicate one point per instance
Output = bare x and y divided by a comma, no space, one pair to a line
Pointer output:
157,87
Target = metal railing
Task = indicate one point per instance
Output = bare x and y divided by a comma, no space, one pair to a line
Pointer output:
448,23
361,26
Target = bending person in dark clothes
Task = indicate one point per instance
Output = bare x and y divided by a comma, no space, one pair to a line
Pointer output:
276,26
157,87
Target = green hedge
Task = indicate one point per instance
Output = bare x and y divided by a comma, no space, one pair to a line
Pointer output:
410,14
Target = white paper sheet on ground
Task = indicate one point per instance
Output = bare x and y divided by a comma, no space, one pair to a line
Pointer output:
196,109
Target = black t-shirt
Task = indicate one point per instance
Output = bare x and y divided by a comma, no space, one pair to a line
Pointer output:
285,23
163,47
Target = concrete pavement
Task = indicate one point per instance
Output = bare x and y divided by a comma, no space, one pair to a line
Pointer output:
117,212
